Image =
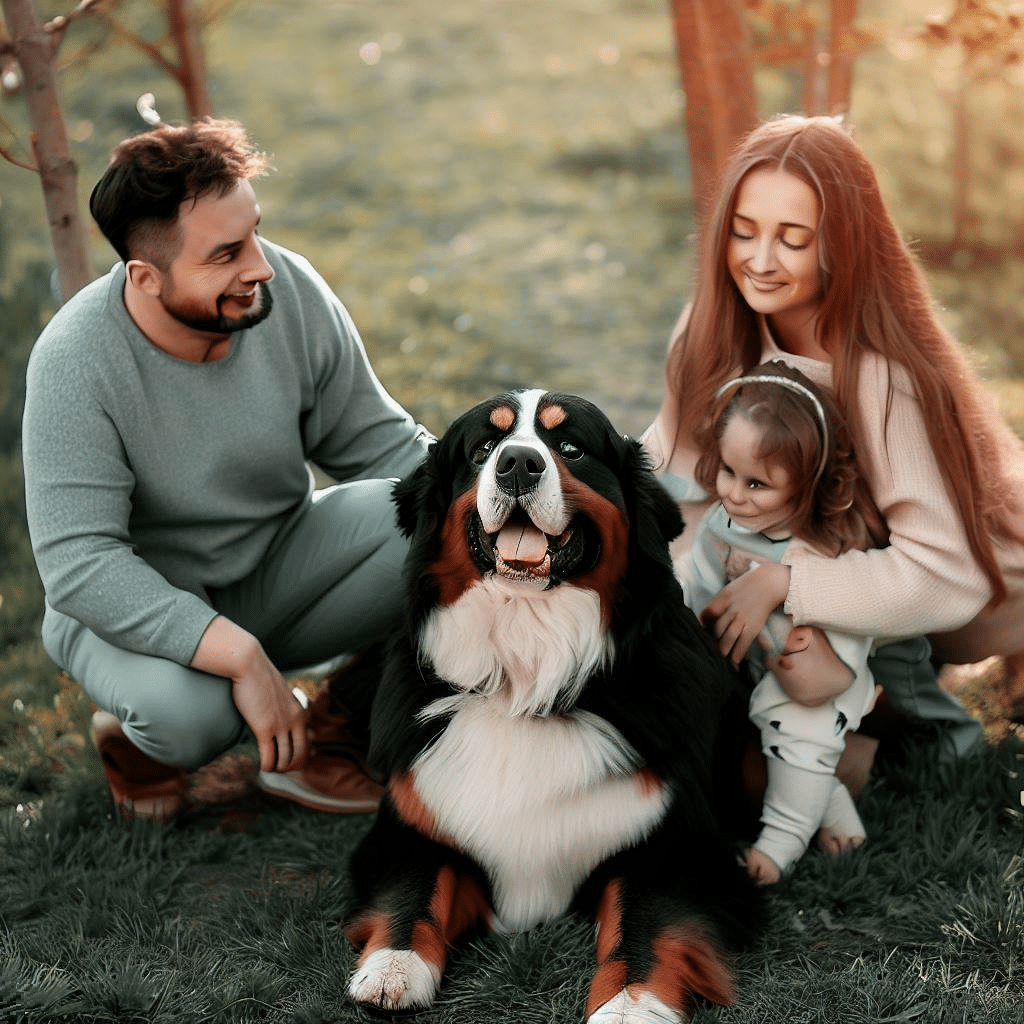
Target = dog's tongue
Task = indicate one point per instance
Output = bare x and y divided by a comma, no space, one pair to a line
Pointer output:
525,544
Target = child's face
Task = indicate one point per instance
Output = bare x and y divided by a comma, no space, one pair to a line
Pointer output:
757,495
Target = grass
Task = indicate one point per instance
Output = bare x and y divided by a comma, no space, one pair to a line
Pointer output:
232,914
499,191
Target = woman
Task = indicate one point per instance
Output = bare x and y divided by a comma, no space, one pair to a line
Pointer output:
801,261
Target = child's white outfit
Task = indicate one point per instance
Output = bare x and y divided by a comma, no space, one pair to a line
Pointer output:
802,745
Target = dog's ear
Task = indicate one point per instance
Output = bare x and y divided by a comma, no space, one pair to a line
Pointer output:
422,498
657,515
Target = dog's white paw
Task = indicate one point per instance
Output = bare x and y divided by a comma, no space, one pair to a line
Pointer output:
642,1008
395,979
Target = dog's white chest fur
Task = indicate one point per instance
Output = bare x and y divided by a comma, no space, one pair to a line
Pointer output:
539,799
539,647
539,802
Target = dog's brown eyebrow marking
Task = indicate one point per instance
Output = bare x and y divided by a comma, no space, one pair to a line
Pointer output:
551,416
503,417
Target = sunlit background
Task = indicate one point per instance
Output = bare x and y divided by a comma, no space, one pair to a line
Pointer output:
499,190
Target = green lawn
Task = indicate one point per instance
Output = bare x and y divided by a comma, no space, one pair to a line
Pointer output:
232,914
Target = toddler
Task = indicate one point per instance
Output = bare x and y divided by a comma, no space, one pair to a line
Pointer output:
778,456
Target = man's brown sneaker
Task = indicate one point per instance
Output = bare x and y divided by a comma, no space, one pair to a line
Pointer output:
139,786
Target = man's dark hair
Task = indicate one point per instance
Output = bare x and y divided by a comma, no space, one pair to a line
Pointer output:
136,202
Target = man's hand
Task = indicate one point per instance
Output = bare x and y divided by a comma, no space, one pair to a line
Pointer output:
261,694
738,613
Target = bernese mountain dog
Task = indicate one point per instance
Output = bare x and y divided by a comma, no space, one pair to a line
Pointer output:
556,729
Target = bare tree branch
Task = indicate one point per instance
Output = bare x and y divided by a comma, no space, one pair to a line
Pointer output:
57,27
151,50
9,156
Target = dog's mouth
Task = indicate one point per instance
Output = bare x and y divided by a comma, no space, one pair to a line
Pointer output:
522,553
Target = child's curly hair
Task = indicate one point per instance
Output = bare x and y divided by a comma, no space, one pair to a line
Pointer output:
835,511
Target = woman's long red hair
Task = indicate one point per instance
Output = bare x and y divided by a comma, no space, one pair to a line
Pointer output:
875,297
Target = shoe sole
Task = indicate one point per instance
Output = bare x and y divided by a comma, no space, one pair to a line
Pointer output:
279,784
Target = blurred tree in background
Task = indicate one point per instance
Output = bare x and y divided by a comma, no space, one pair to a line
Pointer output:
34,49
979,42
29,54
719,43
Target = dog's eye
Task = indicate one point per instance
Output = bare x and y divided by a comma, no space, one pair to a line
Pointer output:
569,451
482,451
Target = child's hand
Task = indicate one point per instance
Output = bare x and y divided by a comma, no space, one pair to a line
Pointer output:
809,670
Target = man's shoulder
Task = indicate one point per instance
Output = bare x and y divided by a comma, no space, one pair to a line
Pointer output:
303,296
85,322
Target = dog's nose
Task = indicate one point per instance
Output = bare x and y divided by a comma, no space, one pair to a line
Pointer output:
519,468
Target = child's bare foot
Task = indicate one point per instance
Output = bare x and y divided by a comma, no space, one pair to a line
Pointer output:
835,843
841,828
761,868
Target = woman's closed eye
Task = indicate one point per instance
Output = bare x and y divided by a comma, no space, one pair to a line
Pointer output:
795,246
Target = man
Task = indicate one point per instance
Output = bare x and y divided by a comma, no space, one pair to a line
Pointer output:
172,409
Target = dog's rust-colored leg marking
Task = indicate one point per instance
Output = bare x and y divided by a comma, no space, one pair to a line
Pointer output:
610,977
458,904
687,962
370,933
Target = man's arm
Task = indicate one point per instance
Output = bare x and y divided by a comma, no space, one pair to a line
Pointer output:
79,489
354,429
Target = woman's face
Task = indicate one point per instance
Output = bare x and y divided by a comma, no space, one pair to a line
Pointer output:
773,245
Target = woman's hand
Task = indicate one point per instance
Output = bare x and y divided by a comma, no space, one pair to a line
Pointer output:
261,694
738,613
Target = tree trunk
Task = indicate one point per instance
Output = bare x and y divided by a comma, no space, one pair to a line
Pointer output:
842,56
58,172
811,69
188,40
961,157
716,66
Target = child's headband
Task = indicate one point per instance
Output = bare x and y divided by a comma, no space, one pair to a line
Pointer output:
796,386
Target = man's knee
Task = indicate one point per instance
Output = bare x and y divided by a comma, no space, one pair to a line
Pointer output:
187,725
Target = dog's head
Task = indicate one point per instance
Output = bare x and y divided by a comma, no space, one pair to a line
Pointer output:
539,490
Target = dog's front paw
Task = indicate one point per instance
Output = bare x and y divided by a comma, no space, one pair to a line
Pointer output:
638,1008
395,979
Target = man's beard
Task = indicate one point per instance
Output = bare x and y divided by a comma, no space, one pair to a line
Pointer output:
221,324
